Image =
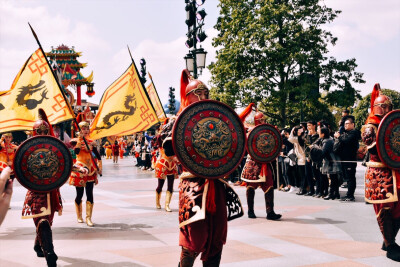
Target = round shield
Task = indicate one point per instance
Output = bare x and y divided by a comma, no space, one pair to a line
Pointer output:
388,140
209,139
264,143
42,163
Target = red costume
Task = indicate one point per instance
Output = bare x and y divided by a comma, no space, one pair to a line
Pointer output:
165,166
122,146
84,172
115,149
380,181
42,206
258,175
202,202
7,151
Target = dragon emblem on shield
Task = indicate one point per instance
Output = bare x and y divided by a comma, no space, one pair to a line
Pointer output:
211,138
265,143
43,164
395,140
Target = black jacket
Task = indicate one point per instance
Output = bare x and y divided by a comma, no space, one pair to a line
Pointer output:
349,143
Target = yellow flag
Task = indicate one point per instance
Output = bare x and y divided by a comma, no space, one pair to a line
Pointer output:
151,91
34,87
124,108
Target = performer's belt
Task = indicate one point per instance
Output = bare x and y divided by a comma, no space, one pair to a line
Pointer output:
375,164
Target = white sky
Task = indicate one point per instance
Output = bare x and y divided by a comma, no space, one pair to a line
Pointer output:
368,30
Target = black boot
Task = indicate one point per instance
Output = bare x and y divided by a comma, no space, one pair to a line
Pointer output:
187,258
250,192
213,261
46,242
269,205
388,229
37,248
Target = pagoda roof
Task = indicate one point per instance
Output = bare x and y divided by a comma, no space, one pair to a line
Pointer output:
63,51
79,80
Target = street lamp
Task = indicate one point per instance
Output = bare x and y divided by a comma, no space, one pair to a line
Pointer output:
189,62
196,58
201,58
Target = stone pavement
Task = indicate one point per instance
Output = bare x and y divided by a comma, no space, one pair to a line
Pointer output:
129,231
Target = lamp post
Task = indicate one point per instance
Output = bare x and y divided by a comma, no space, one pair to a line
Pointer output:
143,71
196,58
171,100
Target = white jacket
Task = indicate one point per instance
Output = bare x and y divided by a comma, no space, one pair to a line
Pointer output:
298,149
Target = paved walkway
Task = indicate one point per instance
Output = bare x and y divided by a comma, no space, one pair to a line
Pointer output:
129,231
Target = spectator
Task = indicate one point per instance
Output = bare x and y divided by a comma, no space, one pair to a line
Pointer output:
347,146
330,166
296,138
345,113
138,151
310,168
285,161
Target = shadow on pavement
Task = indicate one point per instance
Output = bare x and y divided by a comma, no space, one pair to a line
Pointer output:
76,262
112,231
312,221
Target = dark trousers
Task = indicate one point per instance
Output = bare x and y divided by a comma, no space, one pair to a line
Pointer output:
139,161
170,185
334,188
309,176
349,175
300,177
89,193
324,184
318,180
284,167
291,171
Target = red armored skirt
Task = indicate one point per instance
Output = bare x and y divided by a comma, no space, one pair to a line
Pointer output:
166,166
257,175
382,188
80,179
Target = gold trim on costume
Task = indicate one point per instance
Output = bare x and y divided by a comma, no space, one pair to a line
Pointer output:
380,211
375,164
186,175
269,188
43,209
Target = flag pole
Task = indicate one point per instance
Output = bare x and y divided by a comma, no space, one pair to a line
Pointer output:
155,89
144,88
63,94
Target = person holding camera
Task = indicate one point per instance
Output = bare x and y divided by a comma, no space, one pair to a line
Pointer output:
346,146
296,138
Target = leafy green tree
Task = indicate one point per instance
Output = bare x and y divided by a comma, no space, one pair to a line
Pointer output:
274,52
361,111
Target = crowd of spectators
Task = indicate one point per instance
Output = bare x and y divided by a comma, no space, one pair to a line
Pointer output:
315,161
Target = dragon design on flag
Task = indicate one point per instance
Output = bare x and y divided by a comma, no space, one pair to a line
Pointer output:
25,93
114,117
